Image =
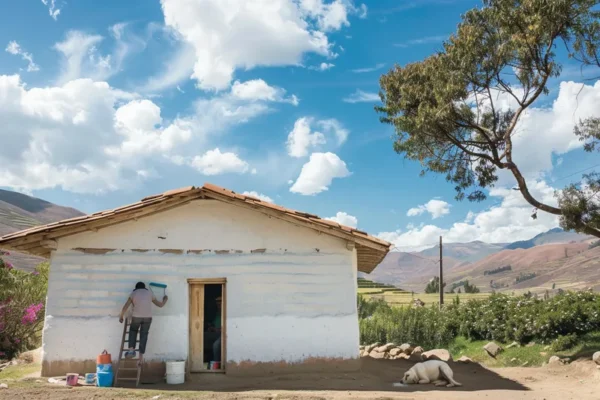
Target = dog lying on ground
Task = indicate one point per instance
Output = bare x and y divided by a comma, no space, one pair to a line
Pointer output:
432,371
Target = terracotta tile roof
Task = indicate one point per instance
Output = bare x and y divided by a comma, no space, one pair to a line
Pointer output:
371,250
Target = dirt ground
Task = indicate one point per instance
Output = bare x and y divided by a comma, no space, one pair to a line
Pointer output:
580,380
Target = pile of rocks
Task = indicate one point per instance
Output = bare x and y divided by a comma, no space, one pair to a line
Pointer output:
391,351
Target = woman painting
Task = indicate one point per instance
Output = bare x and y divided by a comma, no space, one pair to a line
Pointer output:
141,299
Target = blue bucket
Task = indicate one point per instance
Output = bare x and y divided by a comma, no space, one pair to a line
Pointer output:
103,368
104,379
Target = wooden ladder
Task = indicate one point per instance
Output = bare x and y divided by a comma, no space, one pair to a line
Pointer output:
122,363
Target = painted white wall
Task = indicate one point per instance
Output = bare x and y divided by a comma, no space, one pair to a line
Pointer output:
290,303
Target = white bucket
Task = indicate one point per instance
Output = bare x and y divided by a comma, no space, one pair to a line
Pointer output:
175,372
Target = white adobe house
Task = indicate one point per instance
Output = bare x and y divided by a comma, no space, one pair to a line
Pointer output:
288,280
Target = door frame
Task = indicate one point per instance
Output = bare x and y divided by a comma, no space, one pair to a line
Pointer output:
209,281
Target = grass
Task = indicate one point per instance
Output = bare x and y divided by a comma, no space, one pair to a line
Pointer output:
19,371
406,298
534,356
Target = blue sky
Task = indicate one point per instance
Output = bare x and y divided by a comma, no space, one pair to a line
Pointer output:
107,103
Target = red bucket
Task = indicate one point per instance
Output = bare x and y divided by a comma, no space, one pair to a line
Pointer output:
215,365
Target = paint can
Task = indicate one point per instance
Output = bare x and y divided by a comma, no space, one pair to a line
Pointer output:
90,378
72,379
215,365
175,372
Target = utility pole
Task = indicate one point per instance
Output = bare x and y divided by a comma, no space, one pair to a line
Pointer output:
441,276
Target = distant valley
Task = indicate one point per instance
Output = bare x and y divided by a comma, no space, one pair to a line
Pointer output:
19,211
555,258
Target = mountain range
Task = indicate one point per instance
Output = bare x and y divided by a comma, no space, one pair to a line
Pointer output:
19,211
554,258
551,259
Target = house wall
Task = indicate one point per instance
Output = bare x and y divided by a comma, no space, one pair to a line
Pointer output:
290,303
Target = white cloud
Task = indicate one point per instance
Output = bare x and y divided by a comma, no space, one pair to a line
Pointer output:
228,35
344,219
82,59
259,196
506,222
368,69
332,16
436,208
53,11
88,137
15,49
177,68
322,67
318,173
258,89
214,162
302,139
423,40
362,97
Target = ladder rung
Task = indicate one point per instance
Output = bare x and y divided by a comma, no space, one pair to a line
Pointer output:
124,349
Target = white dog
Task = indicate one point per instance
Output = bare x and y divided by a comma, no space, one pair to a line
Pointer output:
432,371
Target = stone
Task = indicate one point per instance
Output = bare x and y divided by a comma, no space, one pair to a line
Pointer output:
395,351
437,354
418,303
554,360
465,359
364,353
416,354
513,360
385,347
525,364
492,349
513,344
596,357
543,353
530,344
361,347
3,386
402,356
370,347
407,348
376,355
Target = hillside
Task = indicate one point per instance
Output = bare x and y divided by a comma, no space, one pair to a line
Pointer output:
404,269
470,252
556,235
19,211
545,255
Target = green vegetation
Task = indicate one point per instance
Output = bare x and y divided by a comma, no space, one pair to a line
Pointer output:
466,287
533,355
500,318
497,270
22,302
18,371
434,285
401,298
448,109
525,277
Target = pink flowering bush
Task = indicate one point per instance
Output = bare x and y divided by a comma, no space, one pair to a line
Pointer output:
22,302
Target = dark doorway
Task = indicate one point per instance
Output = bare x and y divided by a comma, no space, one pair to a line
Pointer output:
213,314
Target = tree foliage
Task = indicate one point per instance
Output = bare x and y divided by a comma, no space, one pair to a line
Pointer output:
22,302
434,285
449,110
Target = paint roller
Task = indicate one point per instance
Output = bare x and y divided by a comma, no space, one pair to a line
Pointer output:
158,286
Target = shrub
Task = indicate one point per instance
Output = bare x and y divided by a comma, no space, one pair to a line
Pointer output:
434,285
22,302
500,317
422,325
497,270
565,342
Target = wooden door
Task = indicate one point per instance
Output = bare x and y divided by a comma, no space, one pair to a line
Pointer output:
196,327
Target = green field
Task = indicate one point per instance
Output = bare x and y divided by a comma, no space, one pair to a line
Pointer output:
399,297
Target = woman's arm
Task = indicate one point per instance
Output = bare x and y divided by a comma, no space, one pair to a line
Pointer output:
124,310
160,303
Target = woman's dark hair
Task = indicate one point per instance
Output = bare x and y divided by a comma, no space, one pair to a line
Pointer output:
140,285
